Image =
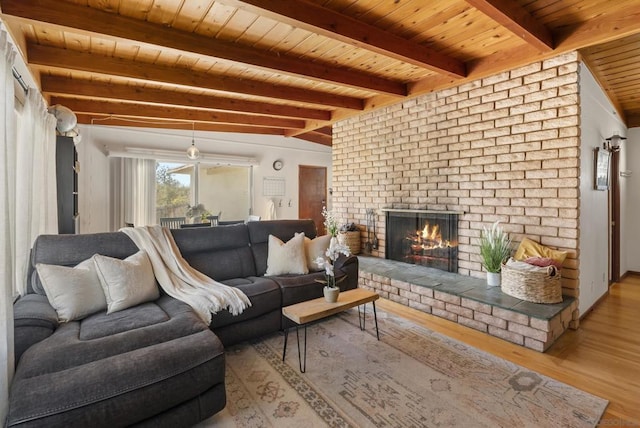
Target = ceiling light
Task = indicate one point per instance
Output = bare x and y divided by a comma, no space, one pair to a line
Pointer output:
192,152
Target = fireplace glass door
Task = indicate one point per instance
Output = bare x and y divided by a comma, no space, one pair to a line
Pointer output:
423,238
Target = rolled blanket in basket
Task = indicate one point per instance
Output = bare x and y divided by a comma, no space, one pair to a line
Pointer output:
531,283
550,270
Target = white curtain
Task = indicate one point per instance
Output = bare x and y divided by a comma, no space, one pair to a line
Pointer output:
7,203
133,188
36,198
28,205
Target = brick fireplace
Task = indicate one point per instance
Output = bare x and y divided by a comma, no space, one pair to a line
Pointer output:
422,237
502,148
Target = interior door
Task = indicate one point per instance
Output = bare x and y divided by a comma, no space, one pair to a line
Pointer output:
615,217
312,194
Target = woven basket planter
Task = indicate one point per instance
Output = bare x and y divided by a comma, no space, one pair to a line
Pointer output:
538,287
352,240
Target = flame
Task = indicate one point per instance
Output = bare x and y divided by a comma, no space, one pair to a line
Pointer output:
431,233
430,237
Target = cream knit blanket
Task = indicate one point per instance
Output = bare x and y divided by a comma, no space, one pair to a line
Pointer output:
179,280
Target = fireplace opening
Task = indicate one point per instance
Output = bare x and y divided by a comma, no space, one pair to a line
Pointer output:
426,238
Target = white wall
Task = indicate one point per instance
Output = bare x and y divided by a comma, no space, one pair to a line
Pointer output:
598,121
93,186
631,237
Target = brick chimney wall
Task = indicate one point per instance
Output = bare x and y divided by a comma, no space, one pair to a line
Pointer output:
504,148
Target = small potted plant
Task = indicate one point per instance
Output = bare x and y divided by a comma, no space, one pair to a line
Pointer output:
196,213
331,289
495,247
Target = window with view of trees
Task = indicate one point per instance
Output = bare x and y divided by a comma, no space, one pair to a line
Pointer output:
223,190
173,191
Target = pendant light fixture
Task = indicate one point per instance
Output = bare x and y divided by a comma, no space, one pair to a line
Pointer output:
192,152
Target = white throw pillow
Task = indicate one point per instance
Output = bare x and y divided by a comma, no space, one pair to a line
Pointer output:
284,258
315,248
127,282
73,292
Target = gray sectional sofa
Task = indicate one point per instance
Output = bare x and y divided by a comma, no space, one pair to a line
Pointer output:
157,363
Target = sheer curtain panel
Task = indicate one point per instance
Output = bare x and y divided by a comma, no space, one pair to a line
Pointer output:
133,192
28,204
7,218
36,199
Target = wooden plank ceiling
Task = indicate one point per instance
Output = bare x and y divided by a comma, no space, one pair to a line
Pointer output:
293,67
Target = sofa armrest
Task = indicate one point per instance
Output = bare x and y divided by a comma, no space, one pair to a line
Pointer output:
34,319
347,266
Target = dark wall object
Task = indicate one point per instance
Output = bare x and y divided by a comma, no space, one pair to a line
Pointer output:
67,184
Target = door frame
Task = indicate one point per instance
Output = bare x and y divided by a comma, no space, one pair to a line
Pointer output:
326,173
614,276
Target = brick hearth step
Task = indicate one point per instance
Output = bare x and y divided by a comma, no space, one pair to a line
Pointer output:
467,301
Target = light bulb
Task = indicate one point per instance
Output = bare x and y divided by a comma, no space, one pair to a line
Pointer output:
192,152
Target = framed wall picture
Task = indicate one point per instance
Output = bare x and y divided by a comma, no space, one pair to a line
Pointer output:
601,169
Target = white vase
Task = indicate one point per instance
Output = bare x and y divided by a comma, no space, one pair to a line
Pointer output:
493,279
331,294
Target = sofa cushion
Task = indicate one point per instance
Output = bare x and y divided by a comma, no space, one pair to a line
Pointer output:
286,257
259,232
314,248
298,288
127,282
73,292
69,250
127,387
220,253
104,325
264,294
65,348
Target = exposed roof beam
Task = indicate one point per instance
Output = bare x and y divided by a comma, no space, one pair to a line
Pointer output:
618,24
633,119
316,137
98,120
88,88
326,130
612,26
171,113
317,19
96,21
81,61
516,19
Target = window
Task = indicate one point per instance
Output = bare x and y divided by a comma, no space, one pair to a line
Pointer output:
173,189
224,191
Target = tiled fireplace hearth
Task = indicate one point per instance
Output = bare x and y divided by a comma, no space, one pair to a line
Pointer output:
468,301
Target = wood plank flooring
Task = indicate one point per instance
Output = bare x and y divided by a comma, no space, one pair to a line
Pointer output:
601,357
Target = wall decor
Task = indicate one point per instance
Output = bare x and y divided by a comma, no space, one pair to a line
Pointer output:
601,169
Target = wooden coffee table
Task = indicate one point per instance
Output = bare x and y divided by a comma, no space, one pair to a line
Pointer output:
304,313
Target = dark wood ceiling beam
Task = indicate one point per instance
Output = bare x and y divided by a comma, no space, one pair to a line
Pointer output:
316,137
81,61
58,85
172,113
326,130
106,120
516,19
320,20
633,119
616,25
112,25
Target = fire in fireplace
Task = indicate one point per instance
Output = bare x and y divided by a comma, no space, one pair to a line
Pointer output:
427,238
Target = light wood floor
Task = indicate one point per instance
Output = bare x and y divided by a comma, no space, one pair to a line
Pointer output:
602,357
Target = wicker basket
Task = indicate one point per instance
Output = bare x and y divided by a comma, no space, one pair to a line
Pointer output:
352,240
538,287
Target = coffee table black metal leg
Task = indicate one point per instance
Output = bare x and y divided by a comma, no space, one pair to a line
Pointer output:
284,350
302,360
362,319
375,317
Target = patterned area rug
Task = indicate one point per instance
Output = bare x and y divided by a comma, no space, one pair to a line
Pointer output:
412,377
